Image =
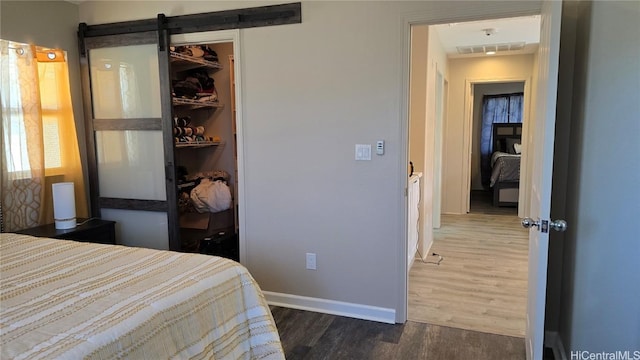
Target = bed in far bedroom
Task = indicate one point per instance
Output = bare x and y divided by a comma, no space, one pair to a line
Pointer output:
505,163
62,299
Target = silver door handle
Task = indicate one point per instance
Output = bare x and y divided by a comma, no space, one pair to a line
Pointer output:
558,225
529,222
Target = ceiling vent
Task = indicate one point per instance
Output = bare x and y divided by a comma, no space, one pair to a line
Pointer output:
483,49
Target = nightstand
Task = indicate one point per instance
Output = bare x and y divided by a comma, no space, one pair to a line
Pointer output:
94,230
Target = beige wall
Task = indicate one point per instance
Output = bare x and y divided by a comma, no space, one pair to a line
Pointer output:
417,121
425,132
457,131
438,63
417,96
311,91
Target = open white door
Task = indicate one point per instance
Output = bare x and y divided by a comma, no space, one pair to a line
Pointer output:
542,153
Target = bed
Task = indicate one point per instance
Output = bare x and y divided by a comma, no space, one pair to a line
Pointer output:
505,163
63,299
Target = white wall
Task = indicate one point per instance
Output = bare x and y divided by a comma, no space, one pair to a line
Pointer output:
600,280
479,91
462,71
310,92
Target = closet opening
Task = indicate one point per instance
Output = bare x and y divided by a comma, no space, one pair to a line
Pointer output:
203,94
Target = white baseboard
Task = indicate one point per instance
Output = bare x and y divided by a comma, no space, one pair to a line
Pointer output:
358,311
553,341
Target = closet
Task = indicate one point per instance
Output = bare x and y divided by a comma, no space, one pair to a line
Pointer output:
205,147
152,138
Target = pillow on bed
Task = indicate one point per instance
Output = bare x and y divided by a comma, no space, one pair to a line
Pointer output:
517,148
510,142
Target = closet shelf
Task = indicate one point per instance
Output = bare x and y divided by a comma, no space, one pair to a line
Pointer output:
197,144
195,104
181,62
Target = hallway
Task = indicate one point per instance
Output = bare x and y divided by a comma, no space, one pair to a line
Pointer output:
481,282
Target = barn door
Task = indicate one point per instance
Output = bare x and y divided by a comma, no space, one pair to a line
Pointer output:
125,77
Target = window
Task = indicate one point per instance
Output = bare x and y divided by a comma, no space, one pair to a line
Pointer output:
54,106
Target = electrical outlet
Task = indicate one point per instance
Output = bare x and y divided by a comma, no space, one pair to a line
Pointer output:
311,261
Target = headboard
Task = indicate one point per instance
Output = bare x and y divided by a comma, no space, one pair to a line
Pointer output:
505,135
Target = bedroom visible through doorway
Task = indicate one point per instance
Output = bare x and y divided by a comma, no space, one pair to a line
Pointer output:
494,102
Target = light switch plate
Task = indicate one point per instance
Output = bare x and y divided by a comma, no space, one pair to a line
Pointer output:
363,151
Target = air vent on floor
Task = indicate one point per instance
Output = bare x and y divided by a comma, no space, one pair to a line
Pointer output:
483,49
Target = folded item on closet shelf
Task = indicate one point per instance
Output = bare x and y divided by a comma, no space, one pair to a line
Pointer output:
206,82
191,50
211,196
213,174
196,51
188,88
211,98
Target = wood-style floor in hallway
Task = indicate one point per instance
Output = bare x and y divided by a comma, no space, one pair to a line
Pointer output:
481,283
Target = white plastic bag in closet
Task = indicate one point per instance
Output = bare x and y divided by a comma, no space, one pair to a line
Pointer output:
211,196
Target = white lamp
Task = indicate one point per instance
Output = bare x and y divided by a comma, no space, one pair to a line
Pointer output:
64,205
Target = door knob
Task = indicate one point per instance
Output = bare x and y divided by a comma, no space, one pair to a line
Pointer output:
529,222
558,225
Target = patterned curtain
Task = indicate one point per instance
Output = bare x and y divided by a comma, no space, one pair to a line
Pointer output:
503,108
39,140
22,152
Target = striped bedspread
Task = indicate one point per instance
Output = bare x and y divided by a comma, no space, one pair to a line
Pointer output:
505,167
68,300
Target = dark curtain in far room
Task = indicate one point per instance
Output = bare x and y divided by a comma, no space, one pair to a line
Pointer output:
502,108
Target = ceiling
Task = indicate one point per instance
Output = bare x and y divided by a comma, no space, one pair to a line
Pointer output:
510,36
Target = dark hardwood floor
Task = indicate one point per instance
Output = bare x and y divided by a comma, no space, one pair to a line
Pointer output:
309,335
481,202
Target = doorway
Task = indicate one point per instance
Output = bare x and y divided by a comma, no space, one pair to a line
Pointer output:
222,232
489,172
465,236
